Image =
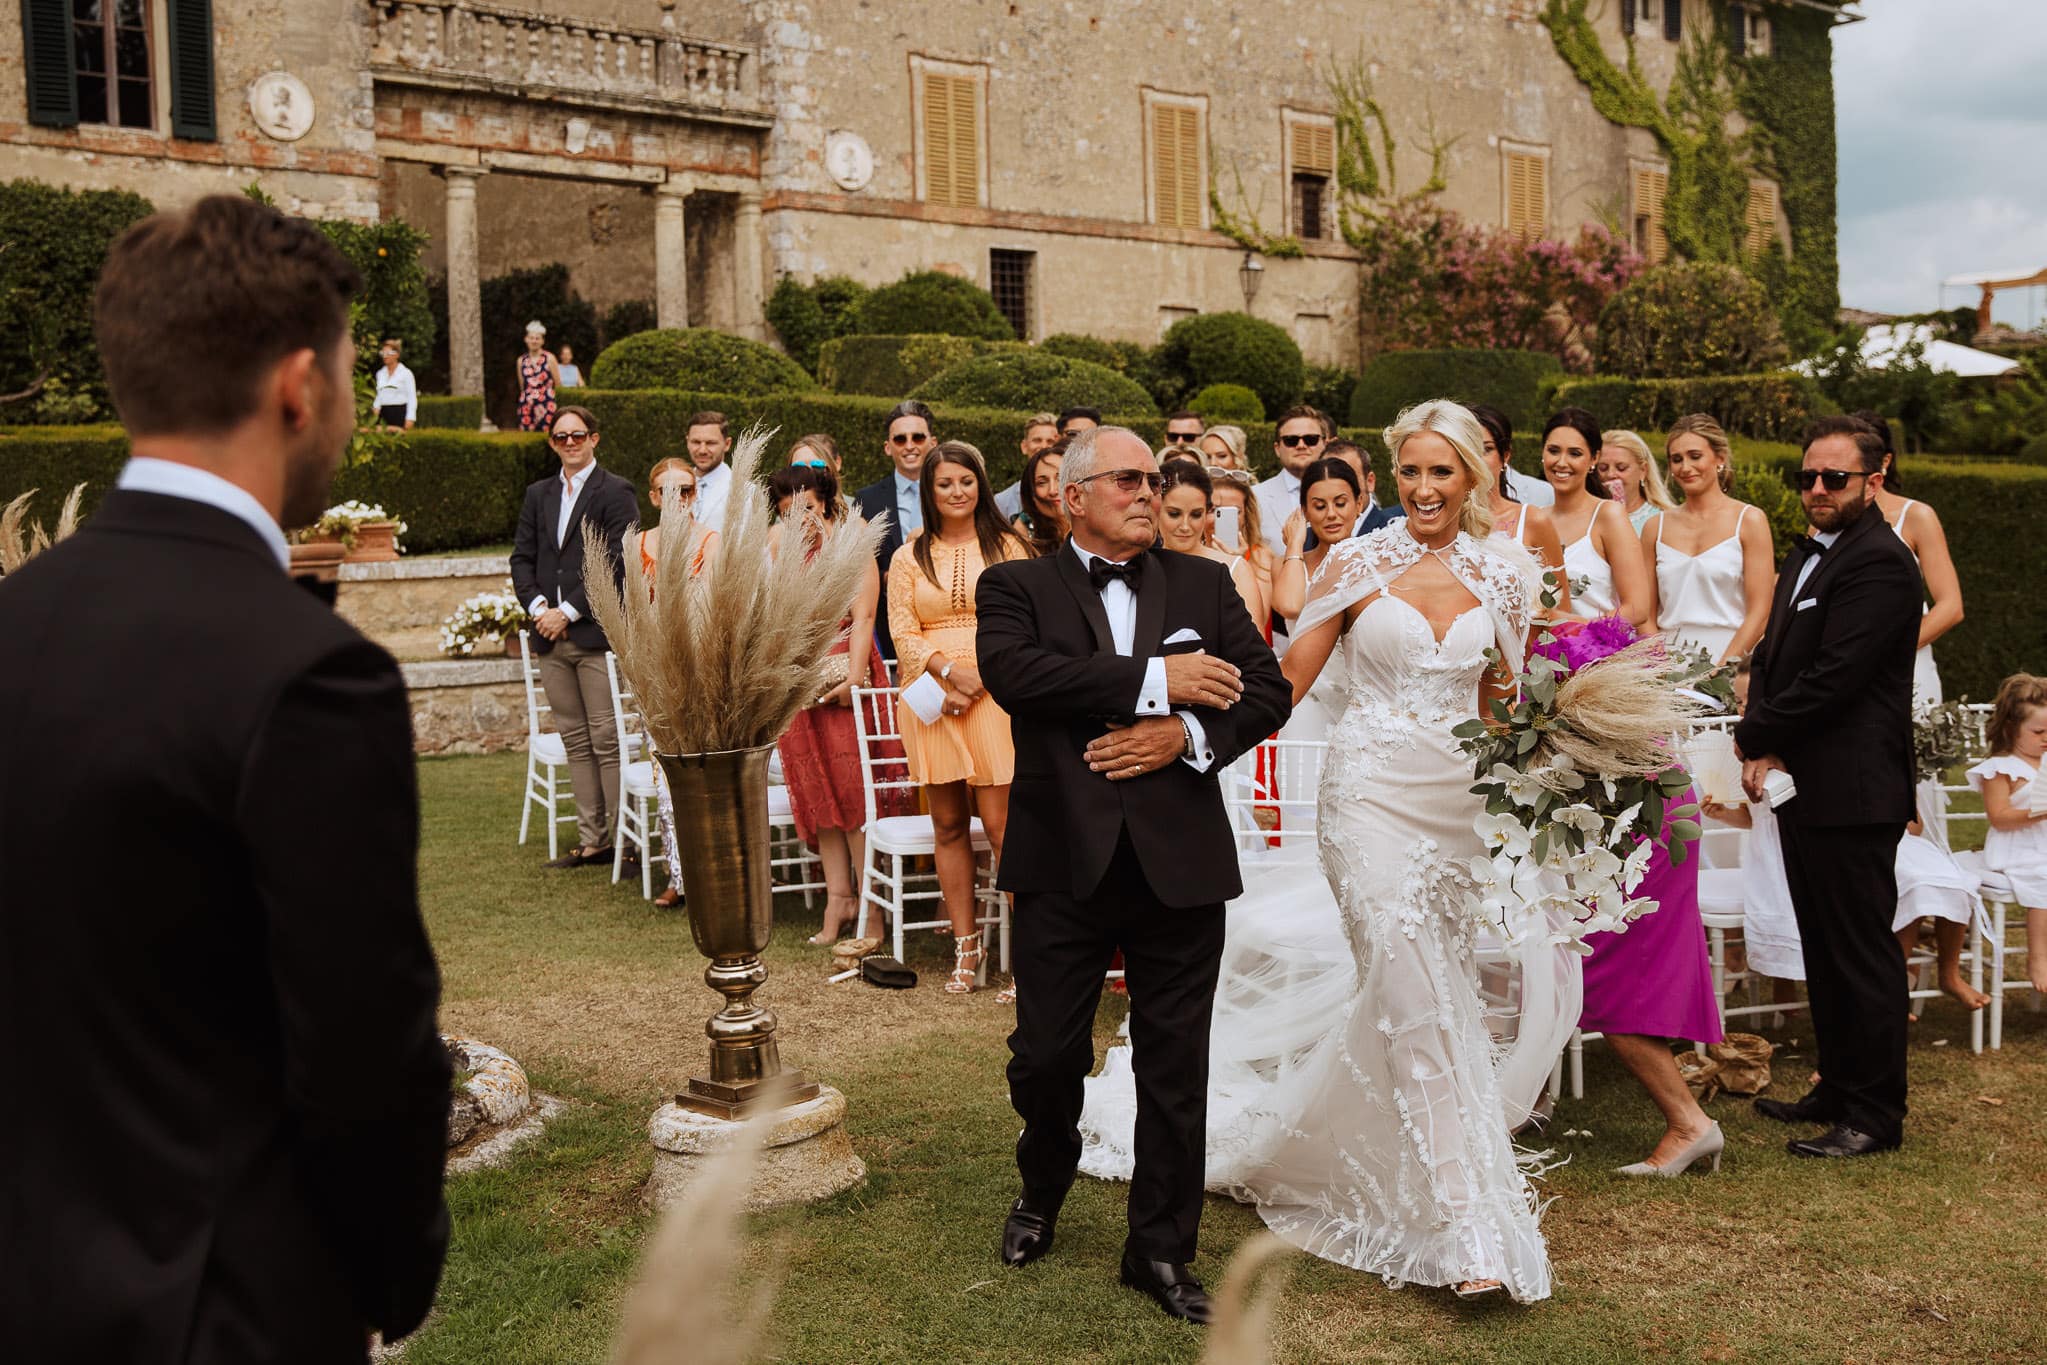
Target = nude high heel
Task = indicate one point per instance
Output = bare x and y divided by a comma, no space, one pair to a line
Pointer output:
1708,1144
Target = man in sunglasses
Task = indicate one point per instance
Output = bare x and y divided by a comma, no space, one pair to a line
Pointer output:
1303,431
906,436
1183,429
1132,678
1830,702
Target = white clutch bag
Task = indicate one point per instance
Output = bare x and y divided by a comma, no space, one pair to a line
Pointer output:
1778,787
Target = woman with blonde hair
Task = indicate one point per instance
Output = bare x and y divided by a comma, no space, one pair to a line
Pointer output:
1714,565
1224,445
1633,476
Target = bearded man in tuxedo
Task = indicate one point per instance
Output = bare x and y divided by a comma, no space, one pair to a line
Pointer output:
1132,678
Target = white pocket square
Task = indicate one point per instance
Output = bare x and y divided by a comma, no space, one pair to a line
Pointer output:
1808,602
1181,637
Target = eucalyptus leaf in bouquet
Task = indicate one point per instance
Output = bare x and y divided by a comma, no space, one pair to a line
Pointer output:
1941,738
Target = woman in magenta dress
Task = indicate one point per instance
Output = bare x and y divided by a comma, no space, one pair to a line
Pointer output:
1649,985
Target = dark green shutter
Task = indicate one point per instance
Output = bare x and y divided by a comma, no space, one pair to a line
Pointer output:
46,46
1673,19
191,68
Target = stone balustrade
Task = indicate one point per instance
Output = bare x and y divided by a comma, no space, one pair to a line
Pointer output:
461,41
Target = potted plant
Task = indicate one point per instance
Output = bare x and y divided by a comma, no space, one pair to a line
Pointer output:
365,532
486,622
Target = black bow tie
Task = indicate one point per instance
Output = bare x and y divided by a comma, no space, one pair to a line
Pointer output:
1813,548
1102,573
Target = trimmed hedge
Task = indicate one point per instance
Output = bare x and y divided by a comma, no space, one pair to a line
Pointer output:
451,489
56,240
1511,381
1235,348
697,357
1771,407
1227,403
890,366
807,316
933,301
462,412
1021,381
53,459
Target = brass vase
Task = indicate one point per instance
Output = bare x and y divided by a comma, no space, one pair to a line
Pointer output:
721,831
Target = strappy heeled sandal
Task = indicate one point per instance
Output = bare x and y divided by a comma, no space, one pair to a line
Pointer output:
967,957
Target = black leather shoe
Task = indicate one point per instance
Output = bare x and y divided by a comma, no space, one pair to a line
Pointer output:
1841,1140
1027,1234
1172,1287
1806,1110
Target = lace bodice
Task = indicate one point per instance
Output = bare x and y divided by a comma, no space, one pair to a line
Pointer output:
1503,577
1396,666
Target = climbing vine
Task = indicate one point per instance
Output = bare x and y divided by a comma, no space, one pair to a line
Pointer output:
1787,101
1241,224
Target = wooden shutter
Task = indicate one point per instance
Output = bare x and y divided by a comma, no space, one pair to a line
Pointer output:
1762,217
1628,16
1674,19
1734,18
1176,161
952,140
1527,195
191,70
46,50
1314,149
1650,188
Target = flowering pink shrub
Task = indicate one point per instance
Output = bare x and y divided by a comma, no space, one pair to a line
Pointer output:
1431,280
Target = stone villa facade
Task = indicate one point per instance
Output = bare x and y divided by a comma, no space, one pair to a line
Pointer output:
1060,154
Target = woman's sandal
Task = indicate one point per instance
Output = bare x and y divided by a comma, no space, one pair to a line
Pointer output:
967,957
1472,1289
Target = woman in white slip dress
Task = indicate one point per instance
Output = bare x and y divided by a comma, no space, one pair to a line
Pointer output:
1330,499
1633,476
1919,527
1714,565
1602,554
1515,522
1357,1096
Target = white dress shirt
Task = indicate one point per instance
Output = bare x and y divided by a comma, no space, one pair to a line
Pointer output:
1009,501
572,488
395,387
1812,562
909,506
1279,497
174,480
1121,605
1530,491
714,490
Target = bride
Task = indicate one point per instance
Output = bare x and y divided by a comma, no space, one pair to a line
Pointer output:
1382,1142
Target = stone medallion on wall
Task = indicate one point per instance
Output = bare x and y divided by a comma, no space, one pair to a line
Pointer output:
849,159
281,105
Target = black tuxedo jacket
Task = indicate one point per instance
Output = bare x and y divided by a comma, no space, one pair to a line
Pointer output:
540,568
879,500
1830,683
217,1000
1377,517
1048,658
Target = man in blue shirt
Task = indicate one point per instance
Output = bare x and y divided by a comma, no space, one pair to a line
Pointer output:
898,497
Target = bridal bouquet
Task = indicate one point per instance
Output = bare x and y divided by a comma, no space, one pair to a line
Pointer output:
1579,773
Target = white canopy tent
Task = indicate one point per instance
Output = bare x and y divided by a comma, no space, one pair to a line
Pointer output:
1883,345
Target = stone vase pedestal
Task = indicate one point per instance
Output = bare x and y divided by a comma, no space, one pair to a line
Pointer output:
805,1154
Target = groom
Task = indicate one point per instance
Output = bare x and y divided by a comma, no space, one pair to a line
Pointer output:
1830,701
1132,678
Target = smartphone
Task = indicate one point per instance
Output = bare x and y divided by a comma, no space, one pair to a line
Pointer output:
1226,532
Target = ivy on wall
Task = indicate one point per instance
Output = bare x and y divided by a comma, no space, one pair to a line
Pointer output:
1786,99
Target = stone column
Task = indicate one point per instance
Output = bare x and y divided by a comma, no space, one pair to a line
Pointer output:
465,298
748,315
671,261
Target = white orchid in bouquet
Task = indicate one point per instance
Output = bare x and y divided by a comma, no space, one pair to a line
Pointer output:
486,618
1581,775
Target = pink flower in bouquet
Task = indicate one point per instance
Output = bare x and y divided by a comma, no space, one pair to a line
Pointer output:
1575,644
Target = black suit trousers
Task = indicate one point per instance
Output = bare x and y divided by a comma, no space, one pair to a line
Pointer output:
1171,957
1844,890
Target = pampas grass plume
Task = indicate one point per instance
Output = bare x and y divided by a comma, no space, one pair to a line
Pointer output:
1238,1335
1620,714
21,539
725,659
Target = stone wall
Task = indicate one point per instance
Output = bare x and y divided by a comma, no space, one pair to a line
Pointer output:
401,604
467,707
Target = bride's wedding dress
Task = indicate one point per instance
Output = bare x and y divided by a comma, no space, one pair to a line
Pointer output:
1357,1095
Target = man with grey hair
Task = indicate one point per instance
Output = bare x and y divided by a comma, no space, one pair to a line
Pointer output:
1132,678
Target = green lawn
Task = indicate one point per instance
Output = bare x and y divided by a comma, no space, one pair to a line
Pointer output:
1935,1253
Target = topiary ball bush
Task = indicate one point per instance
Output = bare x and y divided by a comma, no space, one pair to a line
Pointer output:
932,301
1227,403
1031,381
1235,348
2034,451
699,359
1509,380
1686,320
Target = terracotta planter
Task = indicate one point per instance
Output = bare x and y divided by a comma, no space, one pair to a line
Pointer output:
318,560
375,542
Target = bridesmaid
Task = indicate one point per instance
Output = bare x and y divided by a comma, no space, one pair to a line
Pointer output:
1714,564
1602,552
1919,527
1633,476
964,760
1331,496
1528,526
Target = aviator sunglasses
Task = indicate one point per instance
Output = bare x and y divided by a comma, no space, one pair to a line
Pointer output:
1128,480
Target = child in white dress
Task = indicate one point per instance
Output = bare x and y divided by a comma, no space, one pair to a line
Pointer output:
2015,802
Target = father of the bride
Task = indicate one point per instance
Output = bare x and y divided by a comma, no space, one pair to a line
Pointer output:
1830,700
1132,677
227,1100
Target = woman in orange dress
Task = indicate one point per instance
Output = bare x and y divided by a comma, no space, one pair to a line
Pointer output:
680,476
964,759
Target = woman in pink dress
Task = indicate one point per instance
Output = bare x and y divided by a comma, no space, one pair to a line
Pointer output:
539,375
1649,985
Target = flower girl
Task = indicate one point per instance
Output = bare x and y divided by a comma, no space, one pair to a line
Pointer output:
2015,802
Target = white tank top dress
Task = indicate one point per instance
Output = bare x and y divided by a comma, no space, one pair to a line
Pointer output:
1699,596
1925,677
1592,590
